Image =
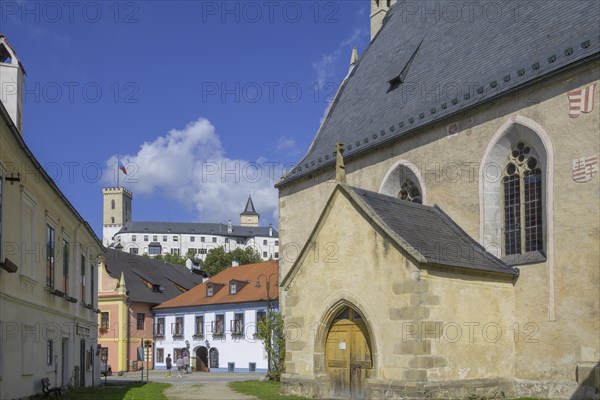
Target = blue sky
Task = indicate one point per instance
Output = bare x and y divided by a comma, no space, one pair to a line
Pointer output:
203,101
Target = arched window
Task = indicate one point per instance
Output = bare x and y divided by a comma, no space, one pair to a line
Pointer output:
410,192
523,209
112,204
403,180
112,220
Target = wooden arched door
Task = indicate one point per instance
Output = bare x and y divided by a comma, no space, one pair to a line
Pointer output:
202,359
348,355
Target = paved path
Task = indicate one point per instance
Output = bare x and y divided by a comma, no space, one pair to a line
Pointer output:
204,391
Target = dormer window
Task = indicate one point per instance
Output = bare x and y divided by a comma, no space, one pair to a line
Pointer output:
209,290
233,288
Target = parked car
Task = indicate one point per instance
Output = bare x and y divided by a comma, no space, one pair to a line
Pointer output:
105,368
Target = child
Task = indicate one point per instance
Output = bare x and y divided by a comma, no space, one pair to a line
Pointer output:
179,365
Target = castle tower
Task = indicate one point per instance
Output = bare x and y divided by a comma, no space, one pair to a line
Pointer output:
12,80
378,10
249,217
117,212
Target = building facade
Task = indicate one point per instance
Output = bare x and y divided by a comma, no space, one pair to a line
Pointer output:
453,259
129,286
154,238
48,258
216,322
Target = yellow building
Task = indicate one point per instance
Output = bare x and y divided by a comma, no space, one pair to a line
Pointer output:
453,252
48,264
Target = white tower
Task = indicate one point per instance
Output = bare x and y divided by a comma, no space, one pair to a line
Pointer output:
117,212
12,79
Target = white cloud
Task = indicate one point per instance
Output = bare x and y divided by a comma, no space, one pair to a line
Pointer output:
189,166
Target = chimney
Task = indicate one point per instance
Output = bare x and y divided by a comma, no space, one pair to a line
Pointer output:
270,229
12,81
229,227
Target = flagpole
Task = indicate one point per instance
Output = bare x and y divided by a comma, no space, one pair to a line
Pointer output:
118,172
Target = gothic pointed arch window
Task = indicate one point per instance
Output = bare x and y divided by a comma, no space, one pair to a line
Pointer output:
523,206
410,192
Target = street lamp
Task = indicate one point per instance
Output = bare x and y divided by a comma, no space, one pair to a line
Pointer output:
270,338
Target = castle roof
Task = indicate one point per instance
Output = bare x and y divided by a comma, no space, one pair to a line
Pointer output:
249,210
420,70
195,228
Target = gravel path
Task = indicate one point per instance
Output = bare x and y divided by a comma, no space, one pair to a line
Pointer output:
204,391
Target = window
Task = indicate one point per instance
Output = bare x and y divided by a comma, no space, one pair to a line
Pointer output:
202,239
175,239
155,238
218,325
92,283
145,238
49,352
233,288
237,325
133,250
265,242
177,327
112,204
276,254
82,266
133,238
522,191
410,192
112,220
175,252
176,354
202,251
141,317
226,240
199,326
277,243
164,238
193,239
252,367
154,250
214,240
50,236
209,290
260,316
160,355
160,327
104,321
264,254
65,266
193,251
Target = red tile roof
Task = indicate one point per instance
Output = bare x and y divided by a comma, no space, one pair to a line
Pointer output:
248,274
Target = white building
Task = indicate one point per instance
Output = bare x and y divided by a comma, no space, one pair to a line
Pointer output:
48,263
154,238
217,320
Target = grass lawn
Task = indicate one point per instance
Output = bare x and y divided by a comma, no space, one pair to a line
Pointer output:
134,391
262,390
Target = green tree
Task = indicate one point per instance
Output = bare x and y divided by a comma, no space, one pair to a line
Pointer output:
175,259
270,331
217,259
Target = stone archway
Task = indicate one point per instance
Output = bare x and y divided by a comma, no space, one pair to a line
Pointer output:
348,354
201,359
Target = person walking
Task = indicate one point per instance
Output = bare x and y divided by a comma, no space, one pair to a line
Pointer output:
186,362
179,364
169,366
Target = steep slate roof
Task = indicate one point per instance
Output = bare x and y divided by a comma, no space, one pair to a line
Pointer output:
198,228
249,210
136,269
248,274
431,233
458,63
425,232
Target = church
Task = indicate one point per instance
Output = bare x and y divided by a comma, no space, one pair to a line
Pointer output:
440,238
